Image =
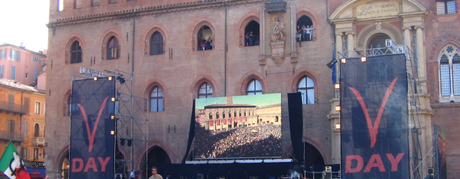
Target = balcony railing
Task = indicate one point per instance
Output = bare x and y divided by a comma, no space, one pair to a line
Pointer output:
11,136
16,108
39,141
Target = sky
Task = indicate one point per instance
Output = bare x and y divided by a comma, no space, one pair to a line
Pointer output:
258,100
25,21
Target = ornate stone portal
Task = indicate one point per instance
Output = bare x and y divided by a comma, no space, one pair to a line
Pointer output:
278,39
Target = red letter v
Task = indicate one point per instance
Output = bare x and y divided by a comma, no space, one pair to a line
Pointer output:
373,129
93,133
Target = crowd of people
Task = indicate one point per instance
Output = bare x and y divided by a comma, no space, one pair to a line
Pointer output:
248,141
304,33
250,39
206,45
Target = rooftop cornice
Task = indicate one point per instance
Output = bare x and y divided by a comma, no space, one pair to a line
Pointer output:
188,6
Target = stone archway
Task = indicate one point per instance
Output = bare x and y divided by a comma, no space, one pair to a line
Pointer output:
64,164
158,155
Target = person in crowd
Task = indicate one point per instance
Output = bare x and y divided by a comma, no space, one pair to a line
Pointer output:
246,39
251,39
311,32
203,46
209,44
308,32
298,34
304,33
155,174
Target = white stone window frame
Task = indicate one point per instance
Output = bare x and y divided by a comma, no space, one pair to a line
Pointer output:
451,97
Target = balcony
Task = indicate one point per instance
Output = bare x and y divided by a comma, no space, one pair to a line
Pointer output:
14,108
18,137
39,141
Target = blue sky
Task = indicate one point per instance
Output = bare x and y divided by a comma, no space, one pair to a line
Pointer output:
24,21
258,100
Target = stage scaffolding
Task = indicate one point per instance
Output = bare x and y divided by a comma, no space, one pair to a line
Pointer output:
419,161
131,139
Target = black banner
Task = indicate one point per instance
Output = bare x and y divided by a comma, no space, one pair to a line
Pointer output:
374,119
91,141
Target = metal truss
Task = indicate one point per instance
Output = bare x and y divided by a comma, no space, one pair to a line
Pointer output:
131,123
419,162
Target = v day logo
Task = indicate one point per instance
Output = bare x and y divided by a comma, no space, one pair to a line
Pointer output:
93,133
373,128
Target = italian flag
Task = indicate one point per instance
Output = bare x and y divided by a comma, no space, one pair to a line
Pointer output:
11,160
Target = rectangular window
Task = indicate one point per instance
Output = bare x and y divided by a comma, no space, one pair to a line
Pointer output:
24,153
446,7
95,3
36,151
60,5
456,78
12,54
18,55
35,74
2,54
2,71
11,101
77,4
37,59
26,129
13,72
10,126
37,107
26,106
445,80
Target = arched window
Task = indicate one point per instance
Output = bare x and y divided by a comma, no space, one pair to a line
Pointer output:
113,48
36,130
378,41
156,44
254,87
307,88
156,100
251,34
210,115
230,114
304,29
217,115
75,53
204,39
449,74
223,114
205,91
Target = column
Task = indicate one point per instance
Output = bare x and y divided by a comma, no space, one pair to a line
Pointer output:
421,55
407,37
338,44
350,44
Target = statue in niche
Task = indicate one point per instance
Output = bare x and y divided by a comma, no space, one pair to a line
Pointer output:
278,30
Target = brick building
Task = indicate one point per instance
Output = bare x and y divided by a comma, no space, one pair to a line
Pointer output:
165,45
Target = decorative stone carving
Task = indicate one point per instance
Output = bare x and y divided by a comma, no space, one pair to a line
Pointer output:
378,25
278,33
278,38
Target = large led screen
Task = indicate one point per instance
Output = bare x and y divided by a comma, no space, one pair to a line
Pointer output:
239,127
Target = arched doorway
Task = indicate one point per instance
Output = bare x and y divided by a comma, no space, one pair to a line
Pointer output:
313,160
377,41
157,157
64,165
